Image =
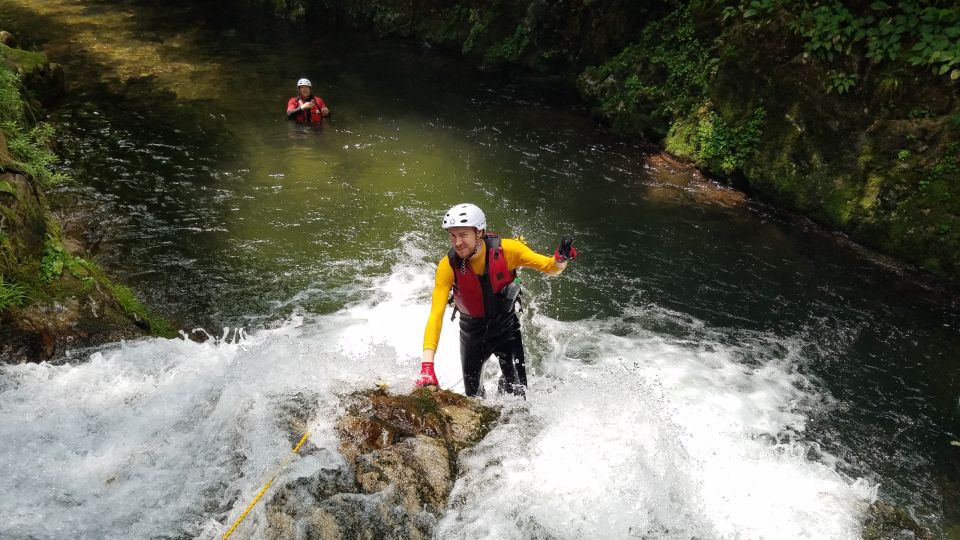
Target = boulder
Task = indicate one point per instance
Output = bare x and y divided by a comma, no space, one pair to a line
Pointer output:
401,452
7,39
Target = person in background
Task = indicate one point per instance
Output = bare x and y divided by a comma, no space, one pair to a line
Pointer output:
305,107
480,269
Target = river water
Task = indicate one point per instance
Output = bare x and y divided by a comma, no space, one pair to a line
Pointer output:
709,367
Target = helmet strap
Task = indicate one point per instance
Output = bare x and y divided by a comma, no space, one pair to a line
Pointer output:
476,249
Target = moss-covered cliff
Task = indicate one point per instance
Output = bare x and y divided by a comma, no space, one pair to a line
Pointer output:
845,111
51,298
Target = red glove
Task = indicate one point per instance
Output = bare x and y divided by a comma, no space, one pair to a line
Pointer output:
427,376
566,251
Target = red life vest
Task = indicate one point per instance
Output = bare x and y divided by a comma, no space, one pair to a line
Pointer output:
304,117
477,296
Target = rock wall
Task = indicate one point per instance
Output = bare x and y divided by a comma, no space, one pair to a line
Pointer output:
52,298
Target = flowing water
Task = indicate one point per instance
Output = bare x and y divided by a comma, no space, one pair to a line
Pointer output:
708,368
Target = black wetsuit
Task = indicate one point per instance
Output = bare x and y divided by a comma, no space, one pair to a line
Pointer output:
497,334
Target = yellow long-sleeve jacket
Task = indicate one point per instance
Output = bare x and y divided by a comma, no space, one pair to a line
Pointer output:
517,254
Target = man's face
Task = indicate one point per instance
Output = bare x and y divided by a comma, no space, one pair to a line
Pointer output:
464,240
304,91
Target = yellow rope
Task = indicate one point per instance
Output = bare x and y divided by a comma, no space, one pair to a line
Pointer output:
265,487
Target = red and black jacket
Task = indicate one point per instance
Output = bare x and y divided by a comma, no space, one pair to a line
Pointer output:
311,116
481,296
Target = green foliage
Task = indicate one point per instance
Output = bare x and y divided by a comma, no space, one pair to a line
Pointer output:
54,259
479,20
30,149
947,168
840,83
666,75
903,155
510,49
716,143
11,103
912,32
11,294
28,145
5,187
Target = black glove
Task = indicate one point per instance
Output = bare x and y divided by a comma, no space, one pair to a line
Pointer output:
566,251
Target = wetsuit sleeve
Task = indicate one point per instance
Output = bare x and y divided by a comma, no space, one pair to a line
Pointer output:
320,106
293,107
443,282
519,255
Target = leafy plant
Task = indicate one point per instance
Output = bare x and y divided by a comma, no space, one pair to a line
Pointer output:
729,145
912,32
54,259
716,143
840,83
30,149
11,104
11,294
903,155
666,74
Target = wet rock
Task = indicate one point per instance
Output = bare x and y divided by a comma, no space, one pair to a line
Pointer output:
51,329
886,522
401,452
76,310
7,39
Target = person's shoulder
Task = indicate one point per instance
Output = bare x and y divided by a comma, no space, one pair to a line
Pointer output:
514,244
445,260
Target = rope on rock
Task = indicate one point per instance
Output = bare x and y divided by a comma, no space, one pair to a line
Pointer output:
266,486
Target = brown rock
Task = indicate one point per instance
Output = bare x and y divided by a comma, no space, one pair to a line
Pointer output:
402,455
7,39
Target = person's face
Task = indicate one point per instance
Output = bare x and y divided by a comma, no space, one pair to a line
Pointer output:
304,91
463,240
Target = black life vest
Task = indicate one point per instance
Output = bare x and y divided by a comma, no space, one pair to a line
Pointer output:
480,296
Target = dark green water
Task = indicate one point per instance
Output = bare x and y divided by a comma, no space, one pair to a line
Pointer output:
220,212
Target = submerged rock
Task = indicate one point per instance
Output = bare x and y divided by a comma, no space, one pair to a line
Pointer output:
401,453
885,521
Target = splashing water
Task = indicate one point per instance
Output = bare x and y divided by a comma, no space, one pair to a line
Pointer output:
627,433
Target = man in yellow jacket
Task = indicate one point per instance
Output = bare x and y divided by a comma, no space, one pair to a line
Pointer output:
481,268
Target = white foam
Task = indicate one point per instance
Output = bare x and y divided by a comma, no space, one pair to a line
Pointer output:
626,433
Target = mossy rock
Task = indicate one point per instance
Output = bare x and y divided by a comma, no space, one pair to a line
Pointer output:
45,80
81,308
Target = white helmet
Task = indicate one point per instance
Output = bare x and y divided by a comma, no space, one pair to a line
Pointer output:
465,215
304,82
